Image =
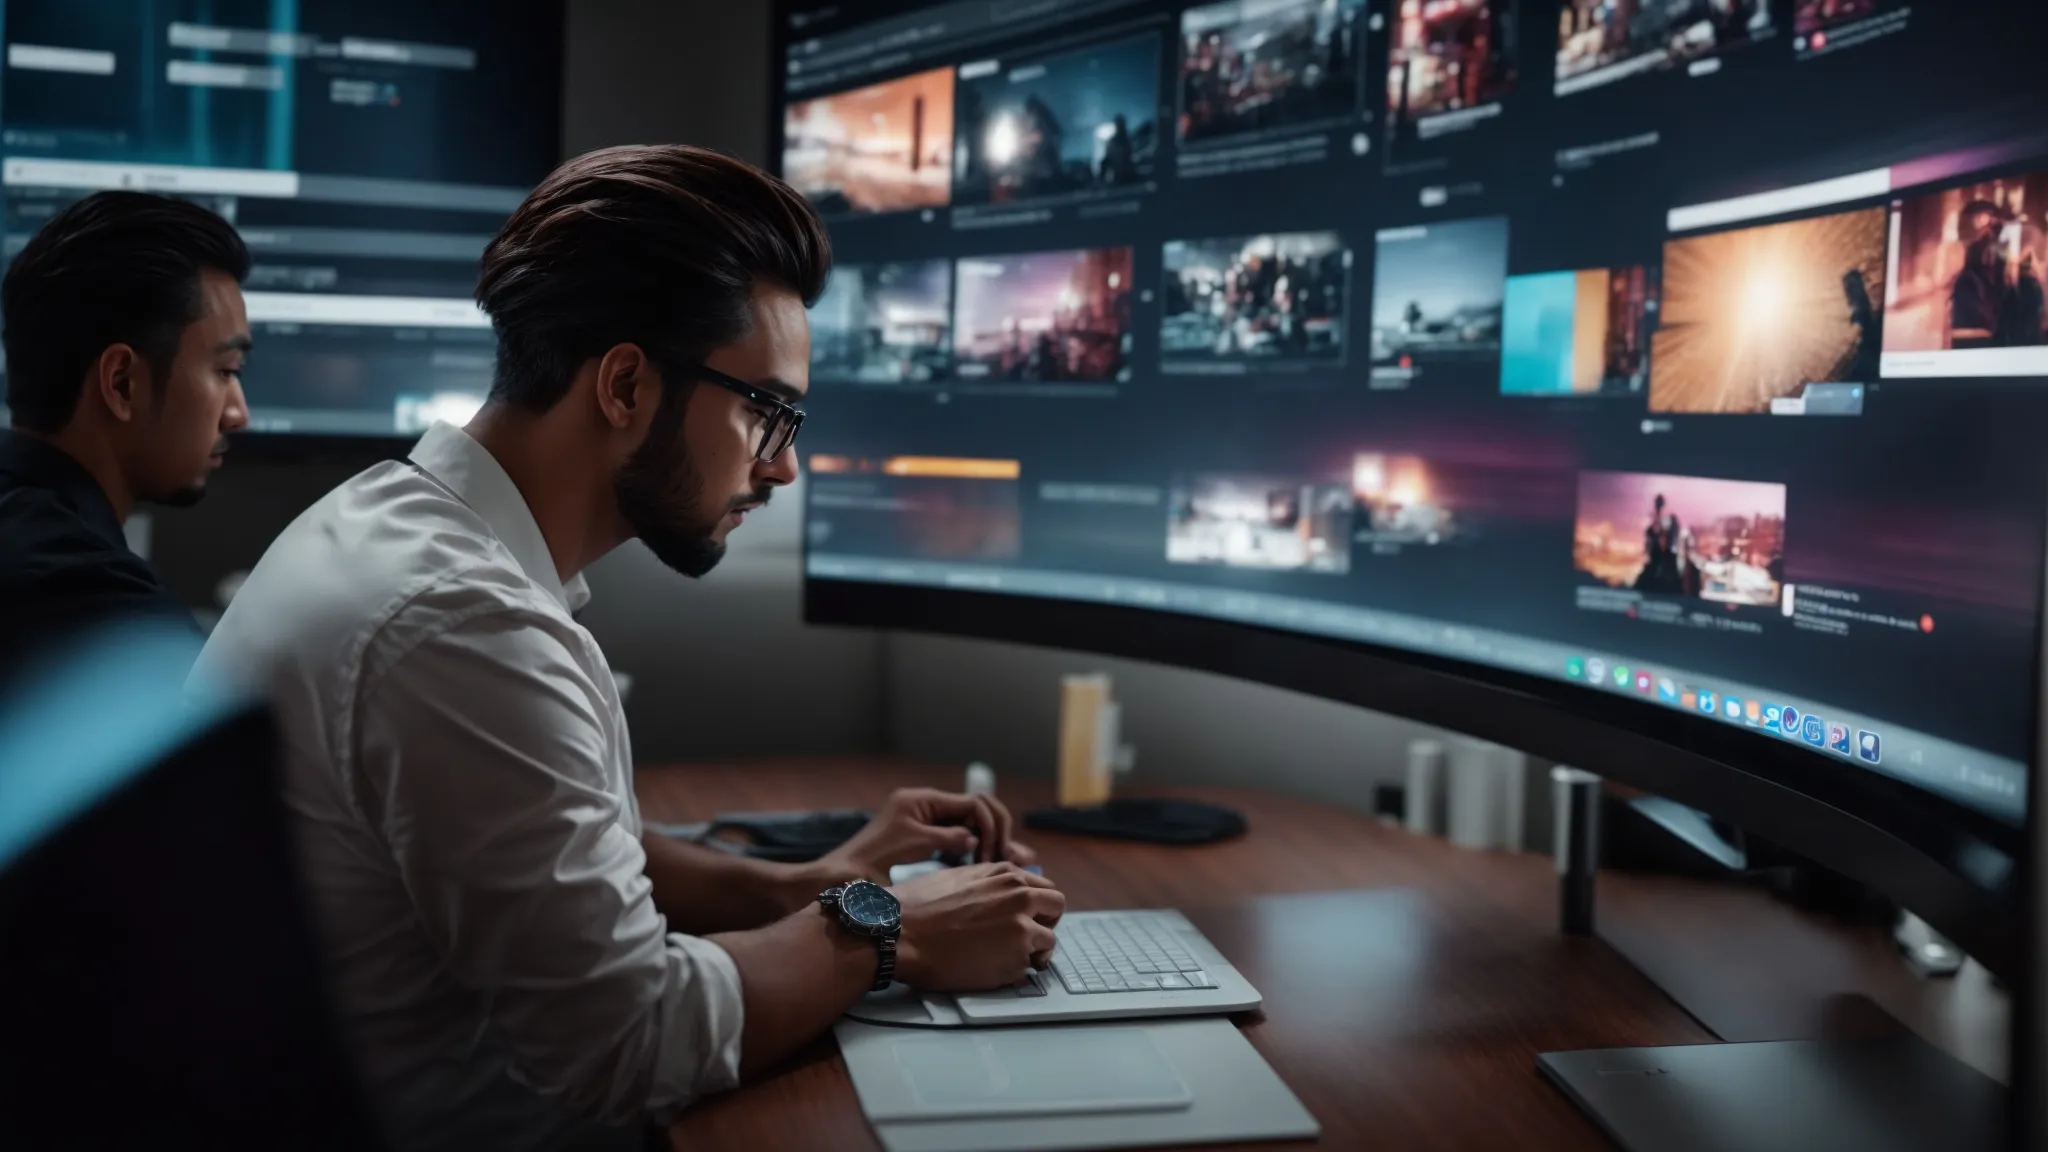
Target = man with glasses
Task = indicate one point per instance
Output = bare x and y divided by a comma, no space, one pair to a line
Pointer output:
520,966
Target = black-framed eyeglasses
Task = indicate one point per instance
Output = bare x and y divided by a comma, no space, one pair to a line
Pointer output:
784,418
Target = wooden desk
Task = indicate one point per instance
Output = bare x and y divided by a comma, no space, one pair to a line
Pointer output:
1408,984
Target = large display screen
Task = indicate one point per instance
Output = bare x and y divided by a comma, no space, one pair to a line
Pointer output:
1694,353
366,150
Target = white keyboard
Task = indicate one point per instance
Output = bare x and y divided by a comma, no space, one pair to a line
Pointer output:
1125,953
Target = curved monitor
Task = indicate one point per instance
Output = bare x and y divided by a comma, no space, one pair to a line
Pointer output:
366,150
1656,388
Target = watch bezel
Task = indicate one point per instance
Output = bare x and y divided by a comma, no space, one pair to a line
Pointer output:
835,898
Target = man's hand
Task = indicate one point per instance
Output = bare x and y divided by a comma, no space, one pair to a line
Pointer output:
915,823
976,928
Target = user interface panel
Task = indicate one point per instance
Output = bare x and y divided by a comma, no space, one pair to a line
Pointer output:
1692,352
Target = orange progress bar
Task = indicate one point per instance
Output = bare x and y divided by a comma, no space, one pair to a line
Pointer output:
953,468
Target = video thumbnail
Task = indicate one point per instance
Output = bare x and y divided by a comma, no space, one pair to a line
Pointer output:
1814,15
1260,522
1823,26
1602,41
1756,315
1964,296
1718,540
1578,333
1437,294
1449,65
929,507
1043,316
1401,502
1270,298
1810,16
1076,122
884,324
883,148
1257,65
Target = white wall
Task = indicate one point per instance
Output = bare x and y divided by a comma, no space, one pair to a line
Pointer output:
951,699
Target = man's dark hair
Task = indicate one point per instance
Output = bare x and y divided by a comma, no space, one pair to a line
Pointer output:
659,246
114,268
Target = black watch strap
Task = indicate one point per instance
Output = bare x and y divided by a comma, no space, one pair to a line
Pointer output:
885,970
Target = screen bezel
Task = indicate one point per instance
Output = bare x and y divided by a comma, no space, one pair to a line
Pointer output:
1905,842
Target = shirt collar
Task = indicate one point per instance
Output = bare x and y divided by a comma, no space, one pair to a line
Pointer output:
43,465
466,468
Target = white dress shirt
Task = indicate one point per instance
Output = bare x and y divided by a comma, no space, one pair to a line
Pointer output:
460,782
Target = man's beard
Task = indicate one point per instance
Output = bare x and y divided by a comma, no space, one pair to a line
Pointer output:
191,493
658,489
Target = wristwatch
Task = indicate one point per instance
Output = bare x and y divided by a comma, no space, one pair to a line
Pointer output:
866,908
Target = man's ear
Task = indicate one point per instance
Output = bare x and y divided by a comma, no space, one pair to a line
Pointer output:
627,385
122,380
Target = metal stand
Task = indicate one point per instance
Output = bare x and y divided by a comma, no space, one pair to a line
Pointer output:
1575,798
1896,1094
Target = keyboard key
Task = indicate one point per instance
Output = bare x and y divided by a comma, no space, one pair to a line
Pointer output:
1125,954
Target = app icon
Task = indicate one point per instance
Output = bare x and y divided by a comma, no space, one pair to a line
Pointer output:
1667,690
1869,747
1812,730
1688,700
1788,721
1596,669
1575,668
1773,716
1753,712
1838,738
1621,675
1642,681
1731,708
1708,703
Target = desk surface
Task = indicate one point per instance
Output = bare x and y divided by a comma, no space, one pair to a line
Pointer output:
1409,985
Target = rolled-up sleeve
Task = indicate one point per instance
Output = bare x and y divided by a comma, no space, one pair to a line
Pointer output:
485,753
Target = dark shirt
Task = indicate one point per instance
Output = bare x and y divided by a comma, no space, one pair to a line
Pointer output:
1979,290
65,567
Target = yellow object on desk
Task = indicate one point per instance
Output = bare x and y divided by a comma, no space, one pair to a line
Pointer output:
1088,739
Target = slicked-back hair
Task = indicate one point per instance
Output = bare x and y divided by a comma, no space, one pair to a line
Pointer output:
659,246
113,268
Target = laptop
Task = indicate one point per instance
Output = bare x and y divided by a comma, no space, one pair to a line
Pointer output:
1108,966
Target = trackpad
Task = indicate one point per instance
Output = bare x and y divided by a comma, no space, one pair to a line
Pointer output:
1027,1072
906,1007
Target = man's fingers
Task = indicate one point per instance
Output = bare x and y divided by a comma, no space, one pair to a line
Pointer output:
1041,941
1030,879
1020,854
1047,905
951,839
993,821
931,804
1002,825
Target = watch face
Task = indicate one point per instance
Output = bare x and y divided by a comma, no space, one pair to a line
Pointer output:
869,904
